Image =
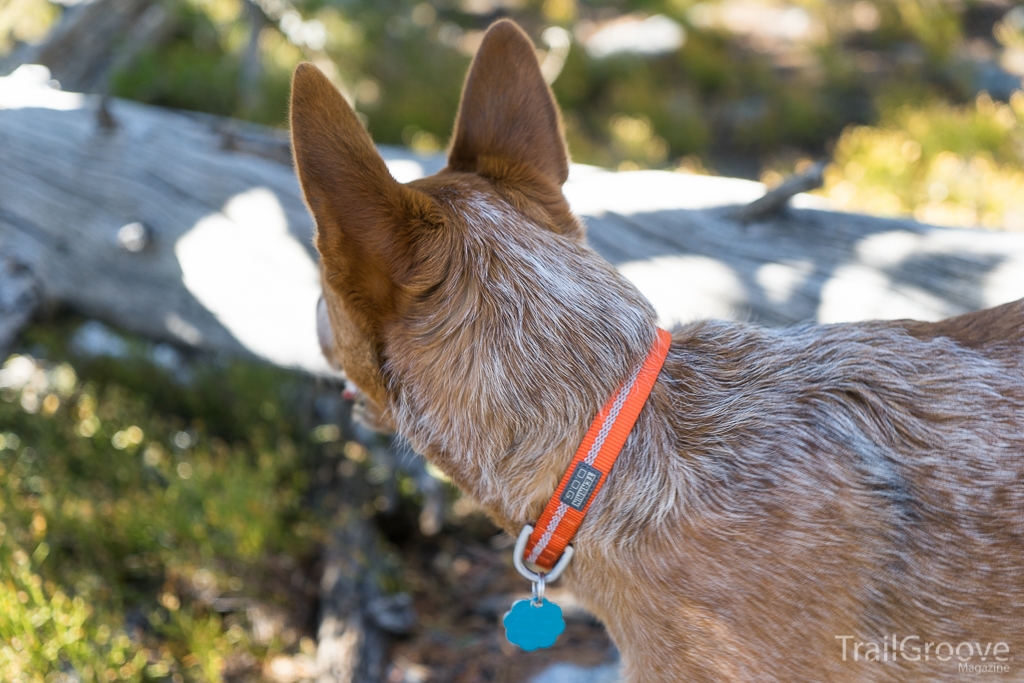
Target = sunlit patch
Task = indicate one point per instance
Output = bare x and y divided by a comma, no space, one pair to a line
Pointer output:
634,34
862,290
944,165
127,438
779,281
183,330
30,86
247,269
36,388
1005,282
685,288
405,170
593,192
326,433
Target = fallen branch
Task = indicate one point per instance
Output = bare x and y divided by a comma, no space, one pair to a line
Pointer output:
778,197
351,645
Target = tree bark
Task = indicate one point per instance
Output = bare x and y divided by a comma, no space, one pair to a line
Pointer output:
226,259
92,39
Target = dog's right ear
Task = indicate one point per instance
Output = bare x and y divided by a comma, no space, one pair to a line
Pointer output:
368,225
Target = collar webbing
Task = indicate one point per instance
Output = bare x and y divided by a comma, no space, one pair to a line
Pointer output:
593,461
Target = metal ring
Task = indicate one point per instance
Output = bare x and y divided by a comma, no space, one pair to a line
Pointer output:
538,590
517,559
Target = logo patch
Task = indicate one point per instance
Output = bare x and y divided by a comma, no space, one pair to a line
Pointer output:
581,486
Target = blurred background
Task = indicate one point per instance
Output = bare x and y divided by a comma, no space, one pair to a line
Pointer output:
168,514
914,99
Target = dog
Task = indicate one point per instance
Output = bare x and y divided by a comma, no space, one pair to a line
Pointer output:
816,503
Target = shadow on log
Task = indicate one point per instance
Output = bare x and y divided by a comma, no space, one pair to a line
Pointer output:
19,298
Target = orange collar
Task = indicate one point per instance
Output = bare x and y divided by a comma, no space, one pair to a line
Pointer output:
593,461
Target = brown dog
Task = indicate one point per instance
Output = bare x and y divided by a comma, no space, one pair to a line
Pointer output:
841,503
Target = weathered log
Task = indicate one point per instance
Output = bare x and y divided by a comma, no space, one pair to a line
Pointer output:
357,619
228,262
190,228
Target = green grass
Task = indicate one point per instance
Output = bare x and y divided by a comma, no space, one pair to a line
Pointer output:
130,501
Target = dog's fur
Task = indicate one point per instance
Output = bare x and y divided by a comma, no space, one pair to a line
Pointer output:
780,488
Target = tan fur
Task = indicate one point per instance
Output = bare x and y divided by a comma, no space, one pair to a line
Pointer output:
781,487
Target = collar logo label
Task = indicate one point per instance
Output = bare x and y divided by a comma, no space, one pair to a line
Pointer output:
581,486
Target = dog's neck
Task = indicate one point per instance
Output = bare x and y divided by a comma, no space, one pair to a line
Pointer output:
498,380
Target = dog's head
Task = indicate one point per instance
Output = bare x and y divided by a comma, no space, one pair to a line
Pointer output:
478,275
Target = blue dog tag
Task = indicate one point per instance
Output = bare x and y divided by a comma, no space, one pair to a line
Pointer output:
532,626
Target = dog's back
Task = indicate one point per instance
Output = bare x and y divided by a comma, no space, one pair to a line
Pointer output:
997,332
815,490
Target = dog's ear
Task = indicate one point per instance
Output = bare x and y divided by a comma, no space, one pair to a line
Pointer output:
368,224
508,123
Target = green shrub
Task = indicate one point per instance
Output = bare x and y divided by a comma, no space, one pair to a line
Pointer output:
942,164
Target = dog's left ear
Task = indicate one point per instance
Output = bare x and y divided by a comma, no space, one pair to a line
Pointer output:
508,127
369,226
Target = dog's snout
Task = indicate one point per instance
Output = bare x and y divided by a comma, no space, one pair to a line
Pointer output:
350,392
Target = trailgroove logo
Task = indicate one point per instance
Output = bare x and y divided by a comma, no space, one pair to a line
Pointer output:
971,656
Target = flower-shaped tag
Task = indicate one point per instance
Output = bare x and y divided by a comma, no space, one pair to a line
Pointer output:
532,626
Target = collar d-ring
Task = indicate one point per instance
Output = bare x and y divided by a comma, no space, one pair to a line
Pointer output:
520,549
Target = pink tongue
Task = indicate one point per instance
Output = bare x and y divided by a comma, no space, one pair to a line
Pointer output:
350,392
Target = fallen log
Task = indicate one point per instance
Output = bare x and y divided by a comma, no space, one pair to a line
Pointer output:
351,645
188,228
357,617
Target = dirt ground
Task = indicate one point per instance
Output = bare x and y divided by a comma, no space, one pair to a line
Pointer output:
462,587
